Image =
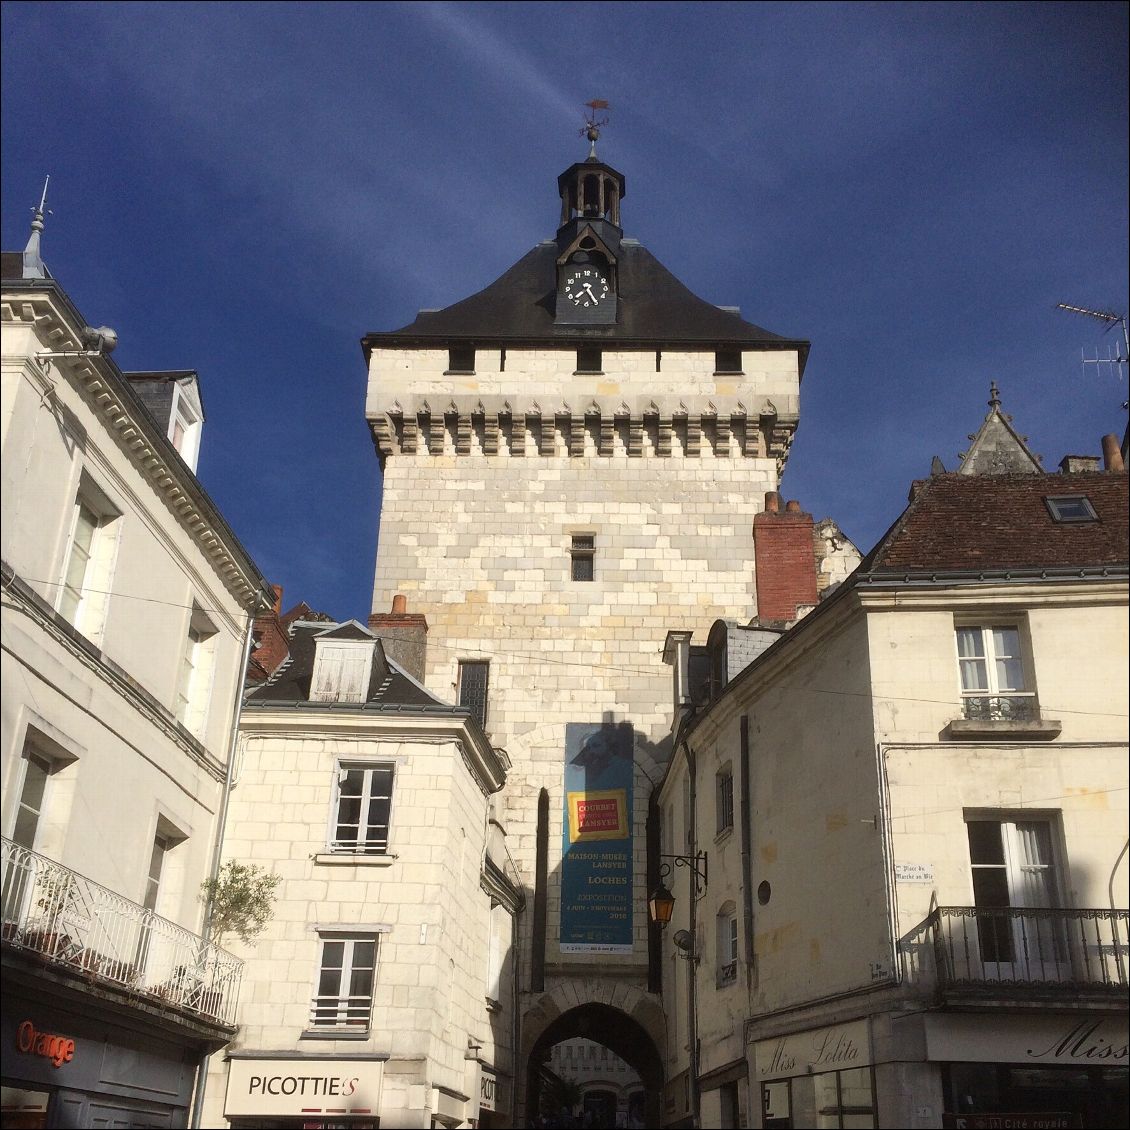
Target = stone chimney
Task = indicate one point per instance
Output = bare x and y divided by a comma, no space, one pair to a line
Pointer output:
1112,454
1075,464
785,561
404,636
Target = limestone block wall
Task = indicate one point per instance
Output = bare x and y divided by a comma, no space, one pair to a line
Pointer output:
487,478
424,898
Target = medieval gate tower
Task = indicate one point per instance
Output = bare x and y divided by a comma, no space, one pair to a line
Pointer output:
572,462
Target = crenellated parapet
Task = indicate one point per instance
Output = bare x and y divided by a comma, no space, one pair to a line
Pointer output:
656,428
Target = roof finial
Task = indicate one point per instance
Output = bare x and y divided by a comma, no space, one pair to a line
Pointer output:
33,262
591,128
994,395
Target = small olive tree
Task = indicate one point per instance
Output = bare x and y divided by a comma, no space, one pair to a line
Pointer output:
242,899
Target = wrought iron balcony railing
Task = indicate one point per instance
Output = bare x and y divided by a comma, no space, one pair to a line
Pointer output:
1074,951
1000,708
70,920
349,1013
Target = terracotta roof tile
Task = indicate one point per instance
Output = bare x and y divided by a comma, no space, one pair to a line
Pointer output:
991,522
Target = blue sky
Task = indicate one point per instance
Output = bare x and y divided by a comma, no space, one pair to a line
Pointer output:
247,189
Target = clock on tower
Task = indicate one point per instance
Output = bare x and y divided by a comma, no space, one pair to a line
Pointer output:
588,244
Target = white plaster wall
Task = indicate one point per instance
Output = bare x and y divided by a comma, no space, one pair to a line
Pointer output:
125,764
1076,643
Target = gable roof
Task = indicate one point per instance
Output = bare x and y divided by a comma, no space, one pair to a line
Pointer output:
959,522
654,308
997,448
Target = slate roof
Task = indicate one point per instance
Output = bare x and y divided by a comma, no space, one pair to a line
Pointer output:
958,522
654,309
12,265
389,686
155,391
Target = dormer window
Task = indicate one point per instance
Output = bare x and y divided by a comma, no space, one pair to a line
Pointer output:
1071,508
185,421
341,670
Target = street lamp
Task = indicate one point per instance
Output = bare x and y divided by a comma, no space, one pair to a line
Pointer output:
661,903
660,906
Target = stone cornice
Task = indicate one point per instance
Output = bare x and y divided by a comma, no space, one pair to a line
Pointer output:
496,883
44,307
334,720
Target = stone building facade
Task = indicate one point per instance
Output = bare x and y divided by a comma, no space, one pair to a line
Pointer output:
572,462
126,619
916,912
381,993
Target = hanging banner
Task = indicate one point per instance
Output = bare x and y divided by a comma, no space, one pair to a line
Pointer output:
596,849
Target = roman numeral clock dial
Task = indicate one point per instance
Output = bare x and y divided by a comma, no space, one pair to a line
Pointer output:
586,286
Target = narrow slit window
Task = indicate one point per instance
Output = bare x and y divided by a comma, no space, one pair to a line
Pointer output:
728,361
474,676
460,359
589,359
583,557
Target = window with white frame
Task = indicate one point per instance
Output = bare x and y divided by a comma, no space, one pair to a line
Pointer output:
991,666
163,843
347,967
92,540
362,807
724,798
186,421
727,942
1014,872
194,682
29,811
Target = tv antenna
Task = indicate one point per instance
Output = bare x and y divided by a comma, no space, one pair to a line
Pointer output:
1116,358
593,125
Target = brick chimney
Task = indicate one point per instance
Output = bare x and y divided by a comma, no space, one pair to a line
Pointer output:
785,560
404,636
271,645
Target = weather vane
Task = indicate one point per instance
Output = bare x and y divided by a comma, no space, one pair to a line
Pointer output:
591,128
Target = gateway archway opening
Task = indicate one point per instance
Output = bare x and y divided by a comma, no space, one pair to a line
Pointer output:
596,1086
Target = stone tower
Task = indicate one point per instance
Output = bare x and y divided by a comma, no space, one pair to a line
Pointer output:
573,458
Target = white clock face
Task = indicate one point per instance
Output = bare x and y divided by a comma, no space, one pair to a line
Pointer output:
586,286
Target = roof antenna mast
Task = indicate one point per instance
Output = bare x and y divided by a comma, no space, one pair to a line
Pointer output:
593,125
1115,358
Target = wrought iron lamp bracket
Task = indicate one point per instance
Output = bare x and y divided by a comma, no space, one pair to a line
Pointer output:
696,863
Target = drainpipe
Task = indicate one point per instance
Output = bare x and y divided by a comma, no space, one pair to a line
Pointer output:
693,956
1114,915
202,1068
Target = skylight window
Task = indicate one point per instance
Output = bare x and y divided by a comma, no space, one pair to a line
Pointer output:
1071,508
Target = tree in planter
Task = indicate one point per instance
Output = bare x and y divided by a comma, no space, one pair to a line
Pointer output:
242,900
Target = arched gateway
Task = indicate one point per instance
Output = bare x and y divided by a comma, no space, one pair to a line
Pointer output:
625,1020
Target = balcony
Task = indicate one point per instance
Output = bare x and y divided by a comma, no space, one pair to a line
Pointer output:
999,716
71,922
1019,954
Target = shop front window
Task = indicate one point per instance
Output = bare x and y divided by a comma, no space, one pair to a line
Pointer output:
833,1100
